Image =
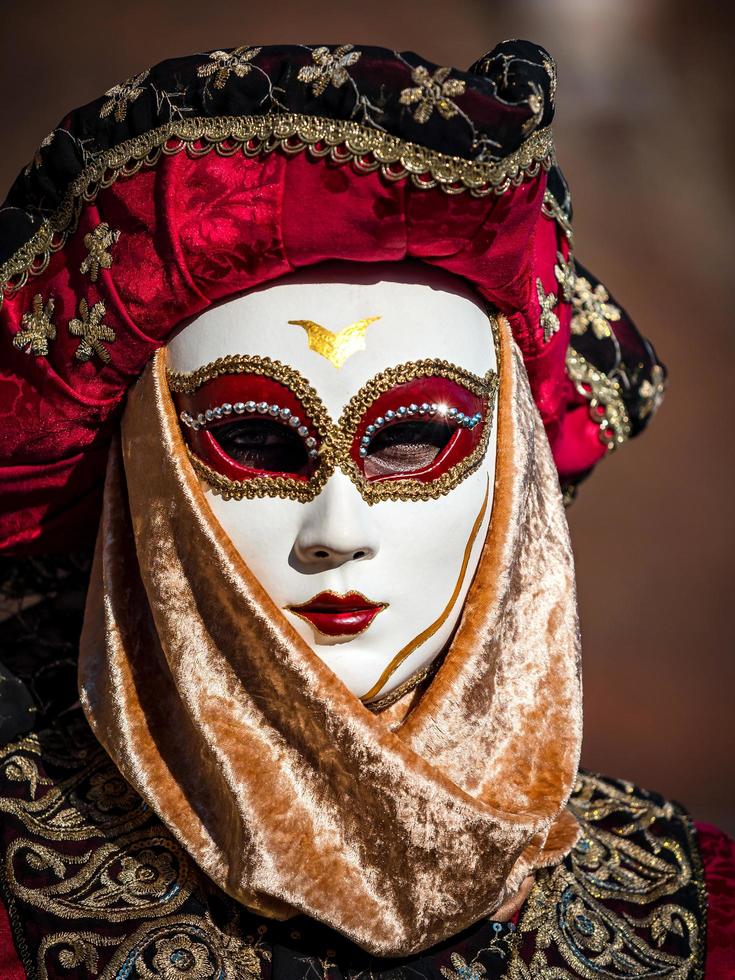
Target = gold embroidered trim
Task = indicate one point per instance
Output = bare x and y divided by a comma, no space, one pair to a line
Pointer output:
337,438
552,209
575,912
343,141
603,393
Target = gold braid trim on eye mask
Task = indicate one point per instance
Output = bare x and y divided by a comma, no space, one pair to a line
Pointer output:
337,438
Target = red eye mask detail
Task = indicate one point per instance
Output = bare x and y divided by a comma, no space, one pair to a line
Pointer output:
420,444
247,444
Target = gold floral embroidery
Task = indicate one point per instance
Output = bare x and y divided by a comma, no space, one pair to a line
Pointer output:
463,970
72,949
575,923
37,328
222,64
97,243
38,157
148,874
552,209
652,392
90,326
607,408
109,791
535,102
329,68
548,320
186,947
366,148
565,275
592,309
432,92
120,96
21,769
178,956
550,66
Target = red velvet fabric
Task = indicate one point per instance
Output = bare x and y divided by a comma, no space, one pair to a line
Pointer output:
10,966
195,231
718,858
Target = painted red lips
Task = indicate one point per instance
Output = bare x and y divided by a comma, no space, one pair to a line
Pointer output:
339,615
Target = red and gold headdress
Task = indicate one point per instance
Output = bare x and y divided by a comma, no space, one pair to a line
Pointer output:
213,174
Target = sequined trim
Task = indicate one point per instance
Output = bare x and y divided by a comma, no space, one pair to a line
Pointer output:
342,141
607,408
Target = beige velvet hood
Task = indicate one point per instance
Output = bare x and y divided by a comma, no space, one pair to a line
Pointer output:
284,788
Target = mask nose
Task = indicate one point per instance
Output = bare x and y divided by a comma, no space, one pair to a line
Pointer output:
337,529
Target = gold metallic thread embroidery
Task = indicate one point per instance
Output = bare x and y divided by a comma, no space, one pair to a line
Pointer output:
36,328
607,408
329,68
576,911
552,209
566,275
652,392
337,438
120,96
432,92
336,347
592,309
614,909
98,244
92,329
548,320
222,64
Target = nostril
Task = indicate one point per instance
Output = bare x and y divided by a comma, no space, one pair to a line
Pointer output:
321,554
359,554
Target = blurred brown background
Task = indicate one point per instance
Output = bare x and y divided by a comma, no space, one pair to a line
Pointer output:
644,133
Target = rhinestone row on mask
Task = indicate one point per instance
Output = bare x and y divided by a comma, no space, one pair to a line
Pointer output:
250,407
409,411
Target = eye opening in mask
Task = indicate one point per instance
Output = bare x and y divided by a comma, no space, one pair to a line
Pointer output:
406,447
263,445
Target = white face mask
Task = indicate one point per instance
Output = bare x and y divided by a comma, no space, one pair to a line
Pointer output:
375,586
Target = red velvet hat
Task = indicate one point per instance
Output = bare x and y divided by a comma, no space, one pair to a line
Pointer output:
209,175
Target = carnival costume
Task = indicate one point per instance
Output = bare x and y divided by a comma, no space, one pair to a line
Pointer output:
246,815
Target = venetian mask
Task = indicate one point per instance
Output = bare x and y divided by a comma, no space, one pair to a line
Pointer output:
342,424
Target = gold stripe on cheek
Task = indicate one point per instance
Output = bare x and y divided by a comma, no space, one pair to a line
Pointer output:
438,623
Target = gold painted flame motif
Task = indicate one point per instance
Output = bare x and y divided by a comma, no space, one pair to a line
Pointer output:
336,347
